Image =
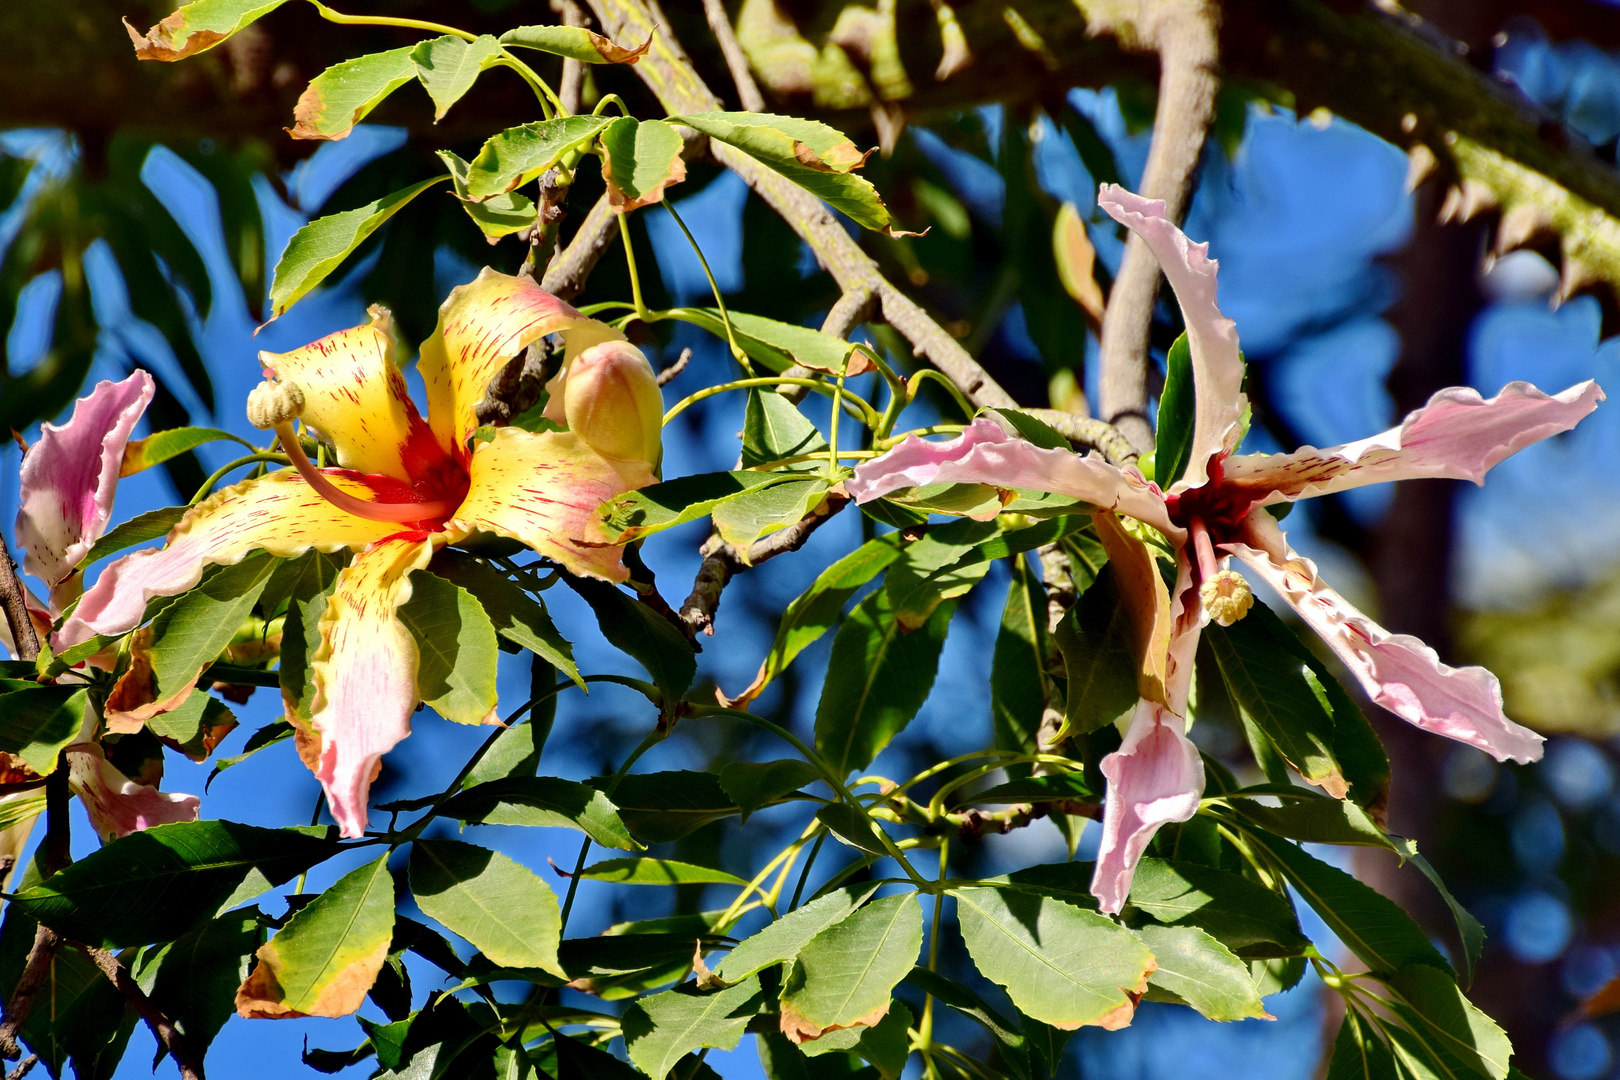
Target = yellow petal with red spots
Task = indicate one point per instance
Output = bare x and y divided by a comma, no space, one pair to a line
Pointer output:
482,325
542,490
279,513
365,673
356,399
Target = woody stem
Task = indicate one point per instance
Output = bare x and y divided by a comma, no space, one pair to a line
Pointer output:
401,513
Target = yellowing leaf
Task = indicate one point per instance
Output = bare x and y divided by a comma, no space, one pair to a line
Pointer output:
640,160
197,27
340,97
574,42
1075,257
142,454
328,955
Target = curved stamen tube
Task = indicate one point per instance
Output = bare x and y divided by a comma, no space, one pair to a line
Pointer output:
1203,549
402,513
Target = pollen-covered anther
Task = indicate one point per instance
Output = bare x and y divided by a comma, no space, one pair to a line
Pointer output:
272,403
1227,597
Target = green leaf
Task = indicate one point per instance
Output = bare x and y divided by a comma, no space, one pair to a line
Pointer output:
763,510
320,247
852,827
83,1019
327,956
783,939
341,96
1370,925
661,1029
1053,788
1018,666
190,633
877,679
265,737
665,806
1095,638
640,159
137,530
199,26
516,616
37,722
502,908
775,344
1438,1014
657,872
753,785
1010,1041
574,42
544,801
812,155
851,968
496,216
1198,970
1316,819
298,579
157,884
456,649
1243,915
301,636
637,629
653,509
886,1044
1172,450
155,449
448,67
1358,1052
1058,963
1470,932
194,978
781,1059
814,611
586,1062
944,565
196,727
515,754
520,154
774,428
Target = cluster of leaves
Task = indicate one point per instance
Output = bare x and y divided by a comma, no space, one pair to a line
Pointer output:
840,975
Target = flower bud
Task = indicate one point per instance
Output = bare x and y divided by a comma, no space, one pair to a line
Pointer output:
611,400
1226,597
272,403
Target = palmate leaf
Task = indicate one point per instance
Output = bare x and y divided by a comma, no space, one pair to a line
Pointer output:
503,909
646,635
1243,915
1358,1052
944,565
516,616
756,784
662,1029
327,956
1010,1041
848,825
194,978
665,806
1440,1017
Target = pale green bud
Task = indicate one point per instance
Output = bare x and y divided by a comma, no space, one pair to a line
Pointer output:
611,400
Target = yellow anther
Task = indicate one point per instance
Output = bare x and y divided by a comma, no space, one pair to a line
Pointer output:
1226,597
272,403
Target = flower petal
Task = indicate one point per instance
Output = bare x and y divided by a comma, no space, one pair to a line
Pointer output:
118,805
1211,336
482,325
542,490
69,477
279,513
364,673
1145,599
1397,671
1456,434
1154,778
985,454
356,398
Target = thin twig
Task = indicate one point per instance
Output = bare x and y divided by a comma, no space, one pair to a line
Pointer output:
565,276
14,600
669,73
156,1019
722,562
1184,34
24,1067
572,85
669,374
747,90
55,854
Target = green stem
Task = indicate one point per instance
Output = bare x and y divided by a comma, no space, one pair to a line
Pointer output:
219,474
857,406
550,104
653,738
804,875
914,383
611,99
731,338
925,1026
387,20
635,278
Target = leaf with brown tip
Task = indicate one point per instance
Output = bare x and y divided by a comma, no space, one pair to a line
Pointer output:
197,27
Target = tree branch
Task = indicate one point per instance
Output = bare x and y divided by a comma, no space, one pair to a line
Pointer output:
566,274
722,562
1184,34
572,84
670,75
14,600
168,1036
747,90
55,853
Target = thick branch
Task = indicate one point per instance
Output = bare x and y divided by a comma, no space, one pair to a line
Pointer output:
162,1027
670,75
14,601
1184,35
722,562
566,274
55,853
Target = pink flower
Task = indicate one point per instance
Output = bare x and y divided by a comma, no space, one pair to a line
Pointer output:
1216,510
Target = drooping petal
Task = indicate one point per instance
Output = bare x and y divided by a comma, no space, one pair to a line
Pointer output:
1145,599
279,513
69,476
355,396
985,454
1211,337
116,804
1456,434
542,490
1397,671
482,325
1156,777
364,673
